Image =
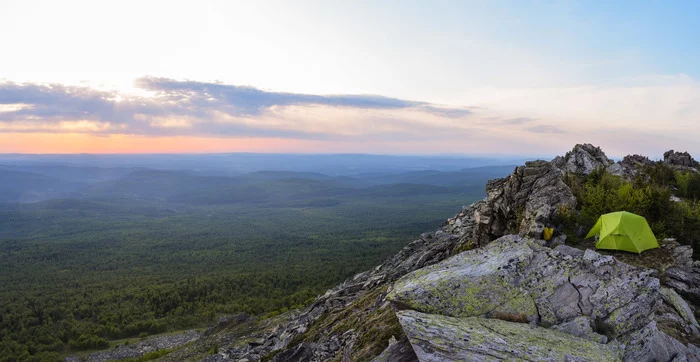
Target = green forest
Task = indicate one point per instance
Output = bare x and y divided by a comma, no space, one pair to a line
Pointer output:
81,274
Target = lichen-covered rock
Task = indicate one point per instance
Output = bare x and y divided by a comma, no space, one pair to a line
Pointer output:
489,282
517,279
649,344
583,159
462,225
581,327
684,275
681,306
685,281
441,338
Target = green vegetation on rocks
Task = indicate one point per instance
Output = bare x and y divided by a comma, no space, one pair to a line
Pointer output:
664,196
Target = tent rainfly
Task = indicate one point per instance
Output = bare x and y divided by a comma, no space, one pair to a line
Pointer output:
623,230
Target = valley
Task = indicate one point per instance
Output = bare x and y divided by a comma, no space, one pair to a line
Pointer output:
126,253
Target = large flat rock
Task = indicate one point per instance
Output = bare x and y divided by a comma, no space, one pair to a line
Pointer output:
516,279
440,338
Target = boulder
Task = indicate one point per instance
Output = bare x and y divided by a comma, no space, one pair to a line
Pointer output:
522,203
583,159
581,327
441,338
462,225
675,317
517,279
681,306
302,352
629,166
684,281
684,275
398,351
649,344
683,159
473,283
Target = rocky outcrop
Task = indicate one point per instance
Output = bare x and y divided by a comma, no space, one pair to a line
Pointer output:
440,338
629,166
518,280
398,351
301,352
581,327
684,275
521,203
649,344
583,159
685,281
509,298
687,324
683,159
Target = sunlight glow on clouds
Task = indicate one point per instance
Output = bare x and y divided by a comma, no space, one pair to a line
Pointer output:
13,107
525,117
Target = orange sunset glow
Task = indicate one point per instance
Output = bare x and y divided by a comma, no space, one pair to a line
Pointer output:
39,143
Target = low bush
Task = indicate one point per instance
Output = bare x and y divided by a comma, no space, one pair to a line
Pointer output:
649,195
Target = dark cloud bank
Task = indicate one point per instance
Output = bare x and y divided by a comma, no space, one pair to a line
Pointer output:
183,99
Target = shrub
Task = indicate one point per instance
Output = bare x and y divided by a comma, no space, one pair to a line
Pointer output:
648,195
88,341
603,193
688,184
684,223
657,173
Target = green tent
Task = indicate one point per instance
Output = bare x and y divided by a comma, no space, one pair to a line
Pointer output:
623,230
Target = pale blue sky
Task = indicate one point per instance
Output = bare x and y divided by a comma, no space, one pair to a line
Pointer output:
621,74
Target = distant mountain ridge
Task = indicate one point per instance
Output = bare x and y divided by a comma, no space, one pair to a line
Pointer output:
238,163
51,182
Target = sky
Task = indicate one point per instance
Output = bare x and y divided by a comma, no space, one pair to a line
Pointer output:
387,77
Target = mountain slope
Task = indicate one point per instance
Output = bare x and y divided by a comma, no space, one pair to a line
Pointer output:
24,187
356,320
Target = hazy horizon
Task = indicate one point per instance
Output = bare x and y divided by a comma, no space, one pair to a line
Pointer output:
488,156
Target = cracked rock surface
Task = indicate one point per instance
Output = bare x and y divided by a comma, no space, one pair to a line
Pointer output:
521,203
629,166
683,159
440,338
590,297
584,159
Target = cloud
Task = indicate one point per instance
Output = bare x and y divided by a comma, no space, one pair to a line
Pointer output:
200,108
519,120
249,101
498,121
545,129
53,102
505,118
447,112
